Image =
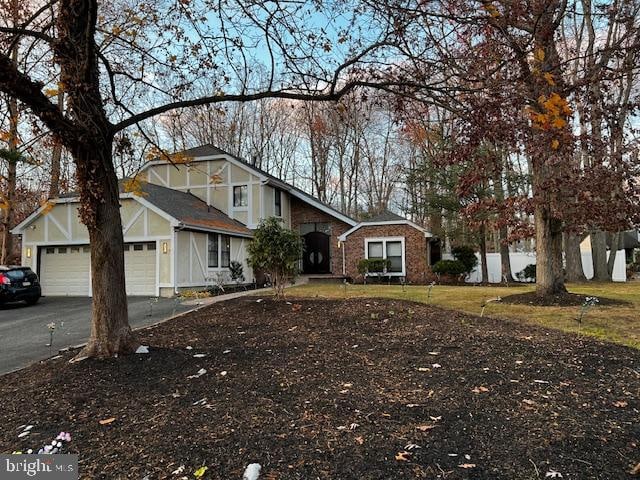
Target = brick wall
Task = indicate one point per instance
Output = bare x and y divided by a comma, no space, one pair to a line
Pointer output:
415,250
302,212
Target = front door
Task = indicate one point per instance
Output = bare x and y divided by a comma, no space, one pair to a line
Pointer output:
316,253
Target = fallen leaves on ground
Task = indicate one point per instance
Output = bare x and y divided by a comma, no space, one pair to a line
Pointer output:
107,421
425,428
480,389
403,456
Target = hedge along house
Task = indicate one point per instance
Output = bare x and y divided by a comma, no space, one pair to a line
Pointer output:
403,243
183,227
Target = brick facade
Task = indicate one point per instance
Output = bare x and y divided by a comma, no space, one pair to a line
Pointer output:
415,244
302,212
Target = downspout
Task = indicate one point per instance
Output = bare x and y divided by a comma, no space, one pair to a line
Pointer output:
344,261
175,256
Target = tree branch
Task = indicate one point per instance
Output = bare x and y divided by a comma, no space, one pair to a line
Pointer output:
17,31
20,86
331,95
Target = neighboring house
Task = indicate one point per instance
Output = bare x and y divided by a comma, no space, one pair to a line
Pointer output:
190,220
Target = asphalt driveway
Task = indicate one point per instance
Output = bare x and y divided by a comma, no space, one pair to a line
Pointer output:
24,334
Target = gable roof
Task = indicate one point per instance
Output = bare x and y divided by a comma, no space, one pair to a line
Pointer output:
384,218
207,152
183,209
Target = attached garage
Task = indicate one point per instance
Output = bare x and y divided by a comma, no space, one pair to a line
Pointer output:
56,244
65,270
140,268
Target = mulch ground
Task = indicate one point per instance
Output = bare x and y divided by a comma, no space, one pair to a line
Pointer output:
354,389
560,300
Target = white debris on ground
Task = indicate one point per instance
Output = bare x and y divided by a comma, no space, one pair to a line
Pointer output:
200,355
142,349
553,474
252,472
201,372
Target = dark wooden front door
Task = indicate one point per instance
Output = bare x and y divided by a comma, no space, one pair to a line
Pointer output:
315,258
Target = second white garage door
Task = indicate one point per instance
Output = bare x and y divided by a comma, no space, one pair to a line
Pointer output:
140,268
65,270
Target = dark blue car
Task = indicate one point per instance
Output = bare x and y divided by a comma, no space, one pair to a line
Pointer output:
19,284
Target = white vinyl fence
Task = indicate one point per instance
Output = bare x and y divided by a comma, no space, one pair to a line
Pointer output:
519,260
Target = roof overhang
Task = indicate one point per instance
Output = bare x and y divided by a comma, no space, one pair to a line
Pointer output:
200,228
344,236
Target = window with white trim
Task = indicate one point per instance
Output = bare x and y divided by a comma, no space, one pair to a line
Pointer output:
391,249
277,203
241,196
218,251
394,256
225,251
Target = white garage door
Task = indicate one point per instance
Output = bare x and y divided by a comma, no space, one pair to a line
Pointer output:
140,268
66,270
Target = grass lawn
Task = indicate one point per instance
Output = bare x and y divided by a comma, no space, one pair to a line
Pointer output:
620,324
358,389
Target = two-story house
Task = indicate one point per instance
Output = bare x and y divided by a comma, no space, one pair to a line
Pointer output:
188,221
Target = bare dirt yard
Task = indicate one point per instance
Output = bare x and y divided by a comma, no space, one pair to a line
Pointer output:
339,389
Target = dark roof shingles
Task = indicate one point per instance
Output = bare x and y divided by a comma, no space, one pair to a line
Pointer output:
385,216
189,209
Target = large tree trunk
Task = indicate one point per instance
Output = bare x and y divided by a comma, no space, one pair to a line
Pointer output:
599,256
549,272
110,331
573,257
97,180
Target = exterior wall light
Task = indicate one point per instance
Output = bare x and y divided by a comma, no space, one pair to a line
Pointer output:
28,252
165,247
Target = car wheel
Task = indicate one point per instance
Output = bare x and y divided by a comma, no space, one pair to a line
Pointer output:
32,301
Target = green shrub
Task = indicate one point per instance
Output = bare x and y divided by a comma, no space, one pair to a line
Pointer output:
237,271
528,273
373,265
449,267
466,256
275,250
